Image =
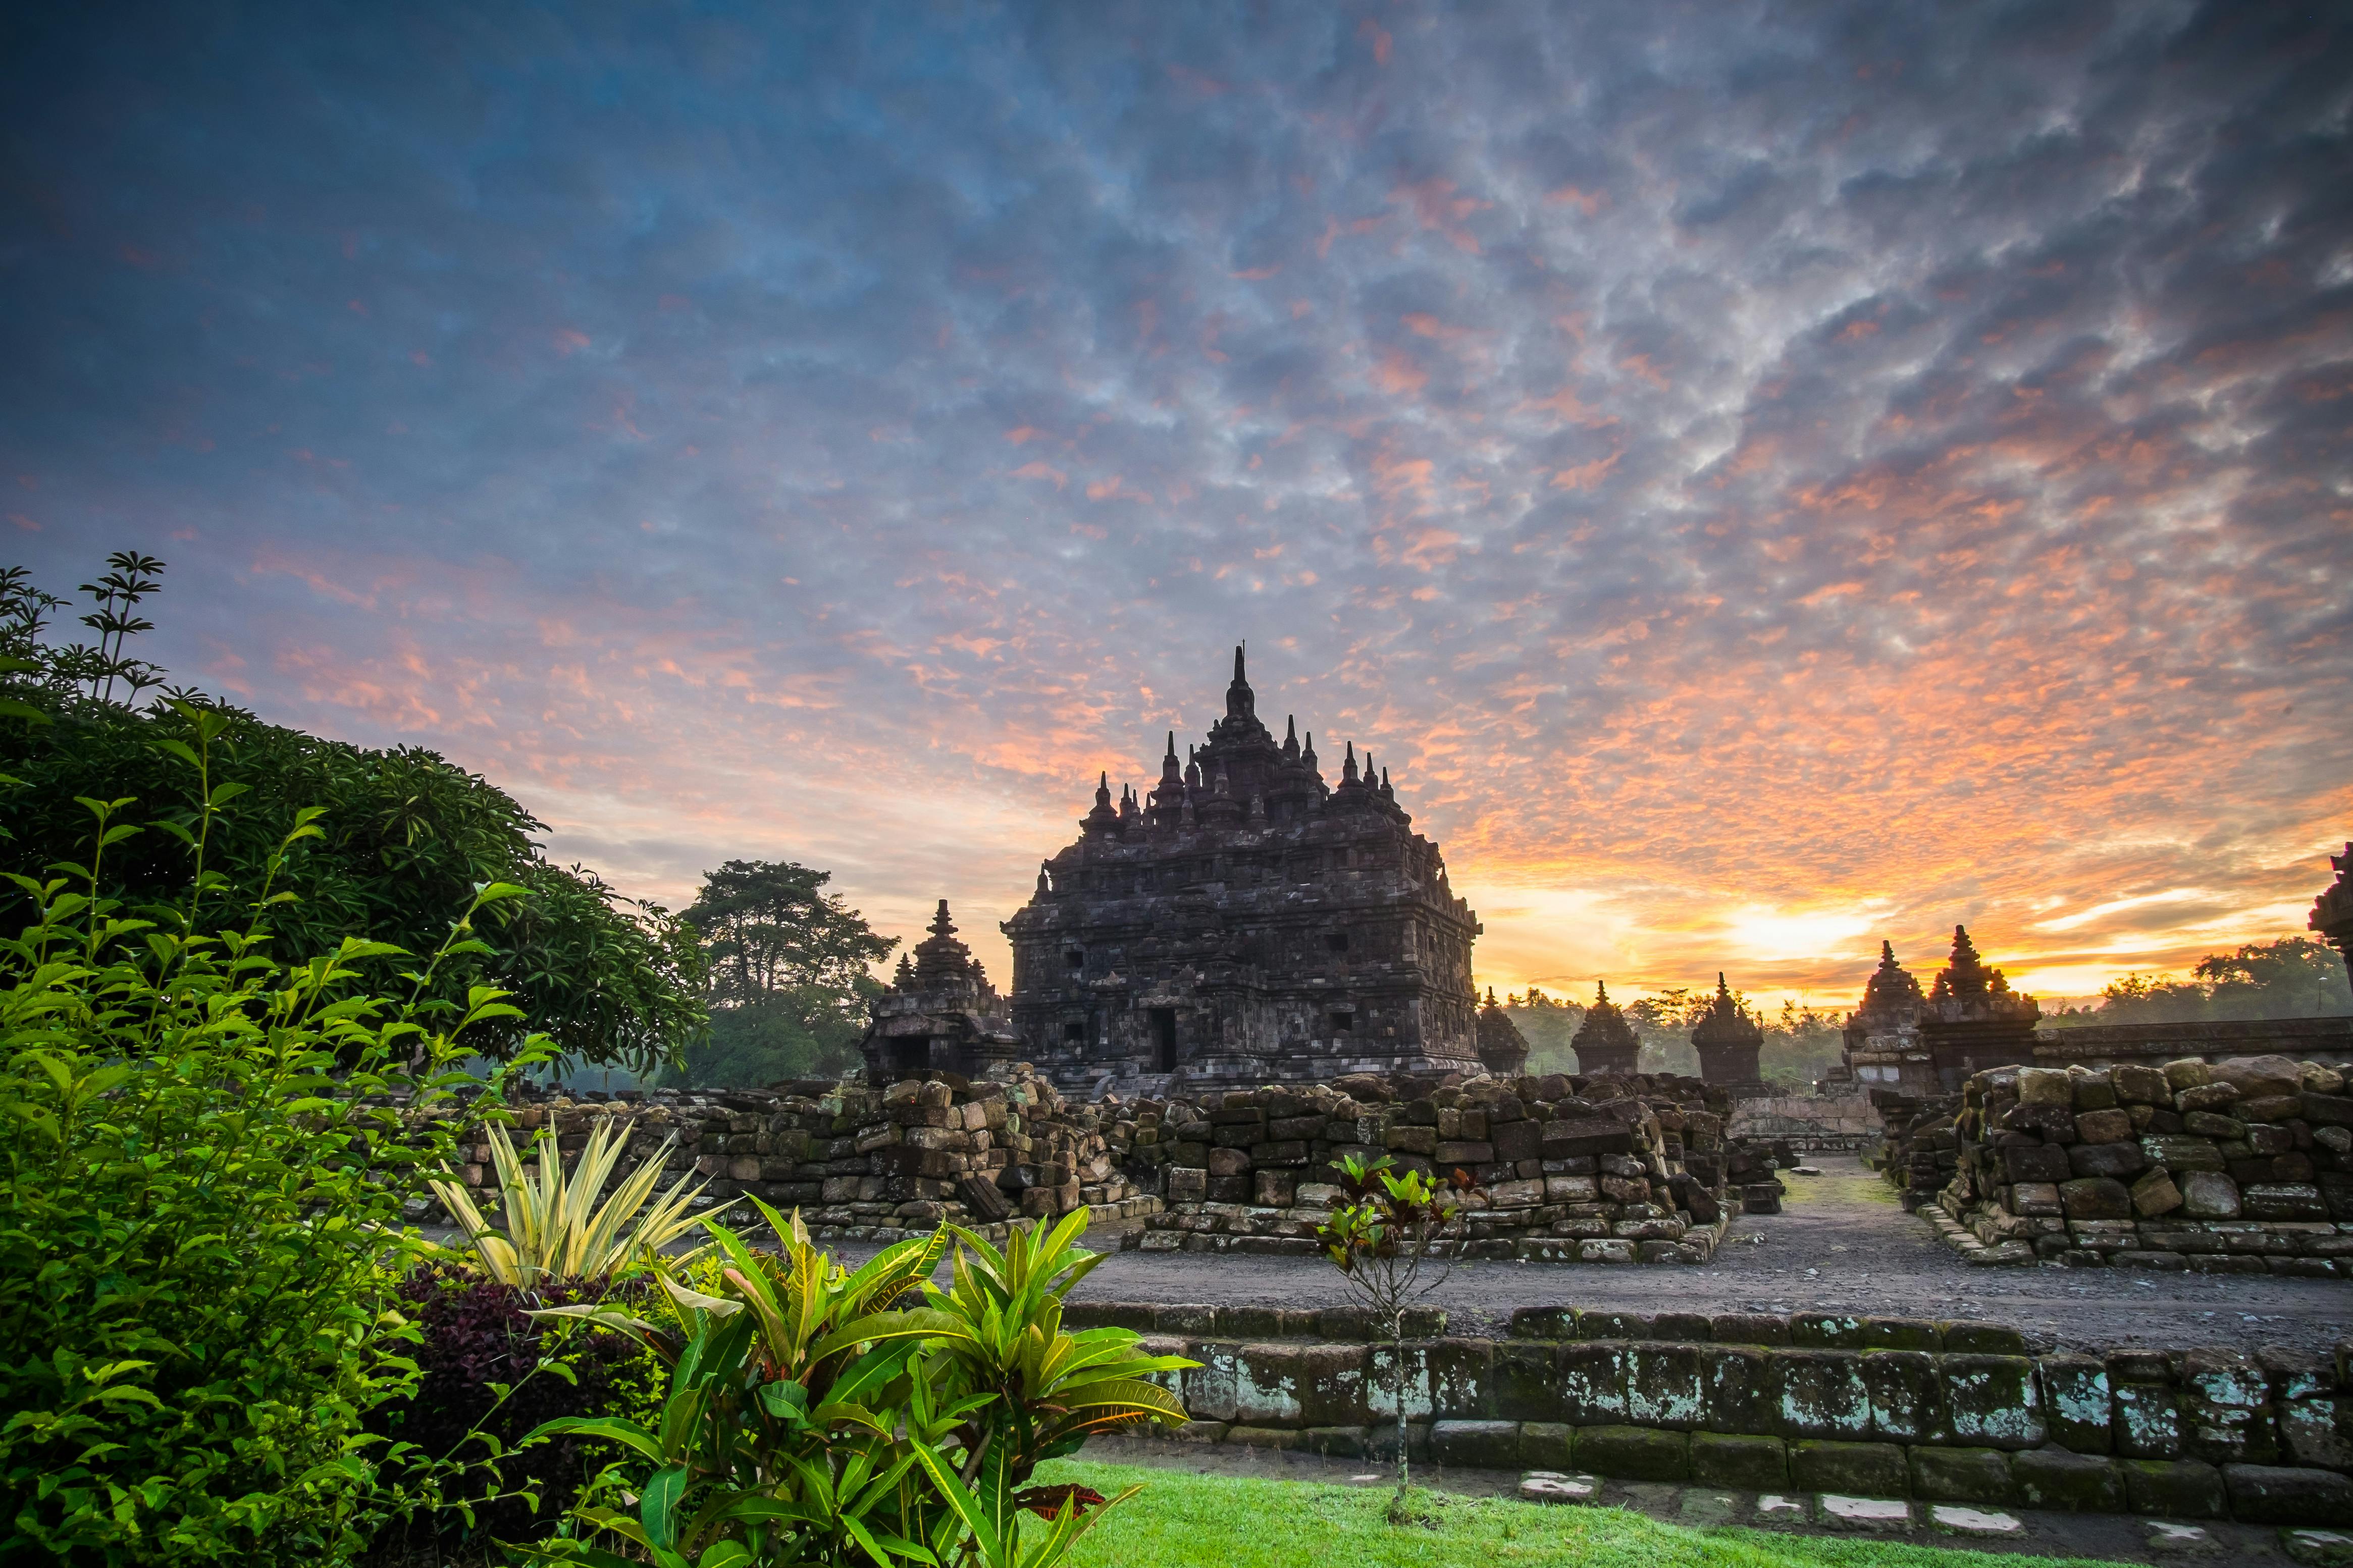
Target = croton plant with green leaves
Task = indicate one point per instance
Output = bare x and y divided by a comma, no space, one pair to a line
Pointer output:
823,1415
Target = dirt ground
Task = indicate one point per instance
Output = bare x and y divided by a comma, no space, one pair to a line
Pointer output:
1841,1243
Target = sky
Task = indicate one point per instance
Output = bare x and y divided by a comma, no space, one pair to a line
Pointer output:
1762,479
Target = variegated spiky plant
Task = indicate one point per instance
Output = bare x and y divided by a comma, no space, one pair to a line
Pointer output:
552,1224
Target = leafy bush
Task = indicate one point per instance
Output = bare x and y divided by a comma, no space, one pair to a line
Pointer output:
489,1374
403,838
814,1418
202,1171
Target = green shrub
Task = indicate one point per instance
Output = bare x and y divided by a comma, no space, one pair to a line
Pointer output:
204,1173
817,1415
405,838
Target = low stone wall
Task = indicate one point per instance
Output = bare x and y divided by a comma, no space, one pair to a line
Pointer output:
1946,1411
1808,1123
2242,1165
863,1163
1569,1169
2323,1039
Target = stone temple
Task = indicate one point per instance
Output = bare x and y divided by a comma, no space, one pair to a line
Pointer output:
1245,922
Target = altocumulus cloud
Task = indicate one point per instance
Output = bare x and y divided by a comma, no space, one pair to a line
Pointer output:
1762,479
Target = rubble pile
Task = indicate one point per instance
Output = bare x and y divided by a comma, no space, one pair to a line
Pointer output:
1921,1152
862,1162
1569,1169
1750,1165
2243,1165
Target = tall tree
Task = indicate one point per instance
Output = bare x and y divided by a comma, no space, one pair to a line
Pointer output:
406,838
790,975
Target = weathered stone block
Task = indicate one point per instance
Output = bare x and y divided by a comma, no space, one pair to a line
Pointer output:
1634,1453
2294,1202
2225,1406
2146,1420
1961,1475
2272,1494
2035,1198
1525,1381
1476,1445
1459,1372
1547,1444
1665,1385
1826,1330
2077,1403
1861,1470
2081,1483
2182,1488
1291,1384
1818,1393
1903,1390
2155,1193
1735,1380
2095,1197
1990,1401
1593,1379
2139,1085
1728,1459
1749,1328
1208,1388
2206,1194
2121,1161
1901,1334
2317,1432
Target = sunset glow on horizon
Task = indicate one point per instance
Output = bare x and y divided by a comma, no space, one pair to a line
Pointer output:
1761,482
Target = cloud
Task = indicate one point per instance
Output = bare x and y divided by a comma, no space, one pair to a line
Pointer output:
1762,481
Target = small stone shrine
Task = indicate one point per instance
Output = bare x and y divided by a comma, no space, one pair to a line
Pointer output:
1882,1039
1502,1049
1728,1042
940,1014
1244,922
1606,1044
1973,1020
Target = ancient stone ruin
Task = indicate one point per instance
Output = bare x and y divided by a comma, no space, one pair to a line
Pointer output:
866,1163
1244,923
1728,1042
2241,1166
940,1013
1917,1045
1569,1169
1605,1044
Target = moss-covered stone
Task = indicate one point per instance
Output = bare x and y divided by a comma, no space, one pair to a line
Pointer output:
1961,1475
2082,1483
1664,1386
1826,1331
1818,1393
1593,1383
1903,1389
1981,1339
2077,1407
1990,1401
1459,1377
1634,1453
1728,1459
1547,1444
1859,1469
1901,1334
2278,1494
1525,1381
1735,1380
1476,1445
2180,1489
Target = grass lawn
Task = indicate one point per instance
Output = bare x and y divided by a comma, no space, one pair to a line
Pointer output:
1182,1521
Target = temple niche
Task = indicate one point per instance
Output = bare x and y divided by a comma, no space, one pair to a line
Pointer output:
1502,1049
1245,922
1728,1042
1606,1044
940,1014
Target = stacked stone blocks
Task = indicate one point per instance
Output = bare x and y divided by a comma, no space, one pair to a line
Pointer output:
1946,1411
2244,1166
1568,1169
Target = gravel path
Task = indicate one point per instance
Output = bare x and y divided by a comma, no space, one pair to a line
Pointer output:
1841,1243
